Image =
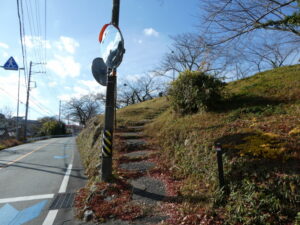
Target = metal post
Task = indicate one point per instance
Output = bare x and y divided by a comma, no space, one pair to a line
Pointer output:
220,165
107,141
27,101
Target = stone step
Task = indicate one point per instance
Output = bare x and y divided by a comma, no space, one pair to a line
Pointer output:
137,154
142,166
129,129
139,123
148,190
134,144
130,135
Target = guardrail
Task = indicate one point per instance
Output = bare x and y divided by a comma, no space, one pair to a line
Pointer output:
48,137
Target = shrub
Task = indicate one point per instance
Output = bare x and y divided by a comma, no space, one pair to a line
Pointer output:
53,128
194,91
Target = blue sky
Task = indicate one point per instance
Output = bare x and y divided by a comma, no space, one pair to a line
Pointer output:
72,43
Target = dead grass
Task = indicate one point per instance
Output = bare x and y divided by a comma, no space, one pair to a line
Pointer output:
9,143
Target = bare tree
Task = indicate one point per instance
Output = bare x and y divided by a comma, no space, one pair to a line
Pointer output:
7,112
82,109
251,56
229,19
190,52
271,54
143,88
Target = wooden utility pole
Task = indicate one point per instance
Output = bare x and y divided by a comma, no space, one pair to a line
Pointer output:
106,166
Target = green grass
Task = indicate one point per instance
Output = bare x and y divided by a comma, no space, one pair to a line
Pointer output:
142,111
254,124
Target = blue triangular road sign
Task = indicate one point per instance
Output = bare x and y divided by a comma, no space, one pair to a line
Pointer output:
11,64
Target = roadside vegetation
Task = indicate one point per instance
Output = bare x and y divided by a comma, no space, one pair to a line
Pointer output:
256,123
9,143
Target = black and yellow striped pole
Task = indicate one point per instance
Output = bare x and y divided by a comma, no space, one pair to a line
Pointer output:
107,141
107,144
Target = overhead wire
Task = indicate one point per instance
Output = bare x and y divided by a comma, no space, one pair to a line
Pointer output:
32,28
22,33
38,39
5,92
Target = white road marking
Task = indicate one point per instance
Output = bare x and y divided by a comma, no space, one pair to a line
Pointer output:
26,198
64,184
63,187
50,217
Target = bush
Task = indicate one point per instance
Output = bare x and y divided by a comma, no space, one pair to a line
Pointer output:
53,128
195,91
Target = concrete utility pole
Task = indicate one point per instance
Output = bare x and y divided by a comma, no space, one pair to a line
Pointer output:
106,166
28,94
27,100
18,106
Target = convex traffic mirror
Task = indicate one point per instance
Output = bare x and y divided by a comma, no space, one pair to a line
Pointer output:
112,46
99,70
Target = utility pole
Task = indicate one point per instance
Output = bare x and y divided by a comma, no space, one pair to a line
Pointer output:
106,166
18,106
59,113
27,100
28,93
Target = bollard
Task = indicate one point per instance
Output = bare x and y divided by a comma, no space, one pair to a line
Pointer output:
220,165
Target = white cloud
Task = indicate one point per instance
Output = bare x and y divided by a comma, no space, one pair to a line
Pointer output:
92,86
5,54
52,84
64,66
9,93
151,32
3,45
83,87
65,97
36,41
67,44
133,77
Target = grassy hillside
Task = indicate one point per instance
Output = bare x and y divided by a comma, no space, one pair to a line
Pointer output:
257,125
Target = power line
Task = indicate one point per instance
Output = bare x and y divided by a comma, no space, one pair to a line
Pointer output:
1,89
22,33
40,104
45,24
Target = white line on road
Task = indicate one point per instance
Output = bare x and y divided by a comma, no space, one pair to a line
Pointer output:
64,184
25,198
50,217
63,187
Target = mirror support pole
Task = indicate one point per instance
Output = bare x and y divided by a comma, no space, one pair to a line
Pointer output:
107,141
115,13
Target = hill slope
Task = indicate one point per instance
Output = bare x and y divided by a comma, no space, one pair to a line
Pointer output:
258,127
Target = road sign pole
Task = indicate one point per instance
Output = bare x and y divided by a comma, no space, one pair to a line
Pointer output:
107,141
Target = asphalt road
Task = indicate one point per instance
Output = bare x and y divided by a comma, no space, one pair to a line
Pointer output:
33,176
